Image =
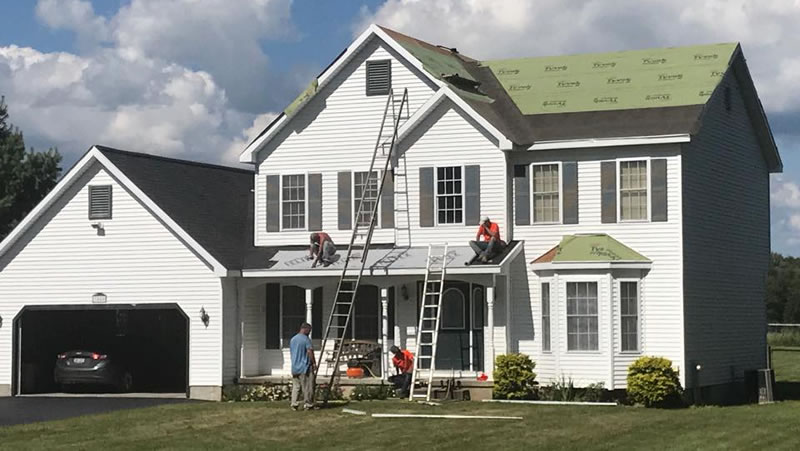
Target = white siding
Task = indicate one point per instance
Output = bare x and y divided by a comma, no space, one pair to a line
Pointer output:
727,242
62,260
230,330
659,241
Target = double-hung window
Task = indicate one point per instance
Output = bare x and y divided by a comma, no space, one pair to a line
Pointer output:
546,193
362,184
449,195
545,317
582,318
629,315
633,190
293,201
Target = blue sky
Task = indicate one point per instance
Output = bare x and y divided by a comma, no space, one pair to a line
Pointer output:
198,79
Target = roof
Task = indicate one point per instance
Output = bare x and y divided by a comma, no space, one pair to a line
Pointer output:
210,202
586,248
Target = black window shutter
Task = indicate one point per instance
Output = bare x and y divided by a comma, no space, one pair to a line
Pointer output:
379,77
569,179
608,191
273,316
658,185
314,201
387,202
345,200
472,191
426,211
99,201
522,195
316,314
273,203
391,314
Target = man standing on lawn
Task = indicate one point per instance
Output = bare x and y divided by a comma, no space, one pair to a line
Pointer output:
403,361
303,364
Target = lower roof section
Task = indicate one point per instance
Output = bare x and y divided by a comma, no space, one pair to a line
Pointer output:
382,260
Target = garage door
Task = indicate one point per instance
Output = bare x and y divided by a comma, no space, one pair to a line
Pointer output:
143,346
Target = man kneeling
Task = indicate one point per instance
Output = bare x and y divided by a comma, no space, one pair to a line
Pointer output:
491,245
403,361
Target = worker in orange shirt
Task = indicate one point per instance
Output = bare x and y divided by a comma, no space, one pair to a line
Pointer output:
403,361
491,245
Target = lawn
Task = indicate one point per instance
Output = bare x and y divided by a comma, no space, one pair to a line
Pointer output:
786,362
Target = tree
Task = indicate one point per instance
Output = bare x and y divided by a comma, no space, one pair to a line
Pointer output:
25,176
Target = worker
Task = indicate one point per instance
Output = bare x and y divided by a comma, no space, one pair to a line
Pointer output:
303,365
403,361
322,248
492,244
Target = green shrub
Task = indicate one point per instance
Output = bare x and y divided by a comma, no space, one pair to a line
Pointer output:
565,390
323,394
369,392
653,382
256,392
514,377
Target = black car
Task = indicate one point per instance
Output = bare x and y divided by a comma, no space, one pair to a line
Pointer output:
91,368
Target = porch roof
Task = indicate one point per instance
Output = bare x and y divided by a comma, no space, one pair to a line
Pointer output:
288,261
590,250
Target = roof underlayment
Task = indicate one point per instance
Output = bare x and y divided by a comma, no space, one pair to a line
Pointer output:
590,248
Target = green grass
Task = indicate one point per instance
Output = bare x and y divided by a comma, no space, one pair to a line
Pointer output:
274,425
788,337
786,363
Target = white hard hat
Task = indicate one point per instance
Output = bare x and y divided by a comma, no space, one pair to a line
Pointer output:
484,219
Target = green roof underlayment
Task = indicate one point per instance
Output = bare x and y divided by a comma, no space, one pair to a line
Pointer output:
672,76
303,97
594,248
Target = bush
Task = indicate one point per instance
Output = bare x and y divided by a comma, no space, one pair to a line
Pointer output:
256,392
514,377
369,392
565,390
653,382
335,394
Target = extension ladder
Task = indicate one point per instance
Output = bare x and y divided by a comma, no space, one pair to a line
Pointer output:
365,218
429,318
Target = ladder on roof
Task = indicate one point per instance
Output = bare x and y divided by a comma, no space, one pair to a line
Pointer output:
363,225
430,315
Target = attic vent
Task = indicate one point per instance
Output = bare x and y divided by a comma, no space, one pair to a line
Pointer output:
100,202
379,77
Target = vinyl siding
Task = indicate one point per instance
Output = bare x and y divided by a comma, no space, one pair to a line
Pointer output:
62,260
661,319
726,238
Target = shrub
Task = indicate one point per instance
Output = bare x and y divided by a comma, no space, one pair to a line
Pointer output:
256,392
335,393
653,382
369,392
514,377
565,390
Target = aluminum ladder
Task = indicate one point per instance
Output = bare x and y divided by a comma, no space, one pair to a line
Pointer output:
363,225
430,315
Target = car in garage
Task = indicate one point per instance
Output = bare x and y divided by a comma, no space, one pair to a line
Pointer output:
91,368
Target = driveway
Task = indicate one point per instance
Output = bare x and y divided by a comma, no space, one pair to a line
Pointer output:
31,409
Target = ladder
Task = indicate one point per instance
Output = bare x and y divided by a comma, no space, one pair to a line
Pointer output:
429,318
363,227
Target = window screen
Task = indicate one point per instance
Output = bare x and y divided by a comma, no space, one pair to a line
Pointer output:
100,202
545,193
453,304
294,201
293,312
379,77
633,190
582,316
449,195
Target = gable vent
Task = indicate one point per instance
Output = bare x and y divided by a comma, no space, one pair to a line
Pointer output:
379,77
100,202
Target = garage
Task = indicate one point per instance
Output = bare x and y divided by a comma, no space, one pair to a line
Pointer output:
146,344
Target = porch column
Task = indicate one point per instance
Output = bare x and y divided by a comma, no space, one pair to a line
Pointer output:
385,332
309,307
490,325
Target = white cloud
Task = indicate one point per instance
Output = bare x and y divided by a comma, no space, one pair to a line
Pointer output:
785,193
248,135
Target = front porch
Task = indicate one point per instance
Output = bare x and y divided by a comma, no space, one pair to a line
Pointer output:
273,301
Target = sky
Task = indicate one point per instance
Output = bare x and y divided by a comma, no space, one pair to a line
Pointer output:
197,79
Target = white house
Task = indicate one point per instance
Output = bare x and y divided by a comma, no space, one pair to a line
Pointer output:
632,188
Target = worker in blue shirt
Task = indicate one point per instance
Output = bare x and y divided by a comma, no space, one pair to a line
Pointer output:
303,365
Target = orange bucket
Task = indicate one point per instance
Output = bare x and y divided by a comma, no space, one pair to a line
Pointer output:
355,372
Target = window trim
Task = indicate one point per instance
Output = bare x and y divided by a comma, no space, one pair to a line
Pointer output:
354,202
305,202
542,283
647,188
110,202
560,193
367,63
579,279
463,310
638,283
436,197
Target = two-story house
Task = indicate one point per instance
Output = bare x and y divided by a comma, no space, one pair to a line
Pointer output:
632,189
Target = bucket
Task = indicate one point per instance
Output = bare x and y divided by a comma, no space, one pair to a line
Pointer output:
355,373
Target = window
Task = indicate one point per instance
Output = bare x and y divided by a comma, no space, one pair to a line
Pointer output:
293,312
582,316
293,202
366,320
545,317
545,193
371,184
453,304
449,195
629,310
99,201
477,308
379,77
633,190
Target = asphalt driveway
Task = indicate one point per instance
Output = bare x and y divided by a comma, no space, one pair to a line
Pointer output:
21,410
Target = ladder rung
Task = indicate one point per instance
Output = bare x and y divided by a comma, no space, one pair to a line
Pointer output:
346,291
429,319
341,314
431,306
425,344
423,357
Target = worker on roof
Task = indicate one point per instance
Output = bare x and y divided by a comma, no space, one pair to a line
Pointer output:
491,245
403,361
322,248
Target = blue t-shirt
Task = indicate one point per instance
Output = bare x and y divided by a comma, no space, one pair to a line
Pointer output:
298,347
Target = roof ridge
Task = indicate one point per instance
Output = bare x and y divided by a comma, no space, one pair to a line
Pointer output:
173,160
562,55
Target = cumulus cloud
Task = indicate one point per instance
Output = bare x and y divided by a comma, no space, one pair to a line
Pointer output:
785,193
248,135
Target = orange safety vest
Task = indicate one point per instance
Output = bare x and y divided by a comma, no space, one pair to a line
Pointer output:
405,363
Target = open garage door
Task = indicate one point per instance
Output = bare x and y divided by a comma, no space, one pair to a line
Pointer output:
143,348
